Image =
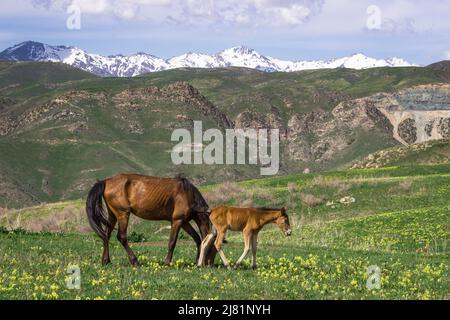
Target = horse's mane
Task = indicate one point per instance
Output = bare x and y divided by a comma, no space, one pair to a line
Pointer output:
197,202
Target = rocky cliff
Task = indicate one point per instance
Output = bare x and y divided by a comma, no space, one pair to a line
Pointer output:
413,115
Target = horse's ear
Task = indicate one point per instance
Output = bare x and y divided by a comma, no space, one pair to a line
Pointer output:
205,209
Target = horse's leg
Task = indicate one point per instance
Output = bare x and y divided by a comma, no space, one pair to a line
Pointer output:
247,239
191,231
254,245
112,219
122,237
218,245
176,225
206,246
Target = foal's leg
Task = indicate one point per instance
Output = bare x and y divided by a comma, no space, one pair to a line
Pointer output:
176,225
247,239
254,245
191,231
112,220
218,244
123,239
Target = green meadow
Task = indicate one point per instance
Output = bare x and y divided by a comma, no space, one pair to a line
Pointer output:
394,218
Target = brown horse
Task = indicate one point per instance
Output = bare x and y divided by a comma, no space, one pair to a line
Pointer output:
248,220
151,198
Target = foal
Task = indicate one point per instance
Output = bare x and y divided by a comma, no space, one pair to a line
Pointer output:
248,220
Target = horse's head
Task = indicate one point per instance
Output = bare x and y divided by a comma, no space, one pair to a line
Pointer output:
201,217
282,221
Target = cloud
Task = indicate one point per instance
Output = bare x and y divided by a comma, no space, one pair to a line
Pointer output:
293,15
446,55
410,16
92,6
197,12
246,12
126,10
332,16
42,3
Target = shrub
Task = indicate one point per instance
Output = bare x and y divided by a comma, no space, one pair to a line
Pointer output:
231,193
136,237
223,193
311,200
340,185
405,185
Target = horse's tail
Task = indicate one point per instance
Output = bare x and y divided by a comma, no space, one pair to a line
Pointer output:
95,212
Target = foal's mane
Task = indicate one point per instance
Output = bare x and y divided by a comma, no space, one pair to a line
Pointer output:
269,209
263,210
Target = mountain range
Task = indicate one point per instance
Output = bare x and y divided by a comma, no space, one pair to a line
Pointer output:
141,63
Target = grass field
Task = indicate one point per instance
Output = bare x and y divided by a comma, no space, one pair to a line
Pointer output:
399,221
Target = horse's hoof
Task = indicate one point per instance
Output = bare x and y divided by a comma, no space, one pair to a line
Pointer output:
135,263
106,262
236,266
254,267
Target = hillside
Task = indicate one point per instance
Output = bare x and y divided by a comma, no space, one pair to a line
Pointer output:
430,152
61,128
44,74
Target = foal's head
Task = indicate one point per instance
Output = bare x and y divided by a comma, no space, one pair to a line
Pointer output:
282,222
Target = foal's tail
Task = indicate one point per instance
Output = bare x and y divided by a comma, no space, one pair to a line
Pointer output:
95,212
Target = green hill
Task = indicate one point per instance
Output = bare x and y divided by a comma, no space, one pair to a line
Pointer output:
36,78
430,152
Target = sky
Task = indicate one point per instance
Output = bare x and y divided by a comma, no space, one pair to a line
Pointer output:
416,30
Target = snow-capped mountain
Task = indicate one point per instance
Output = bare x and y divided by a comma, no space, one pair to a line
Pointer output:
248,58
197,60
140,63
117,65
